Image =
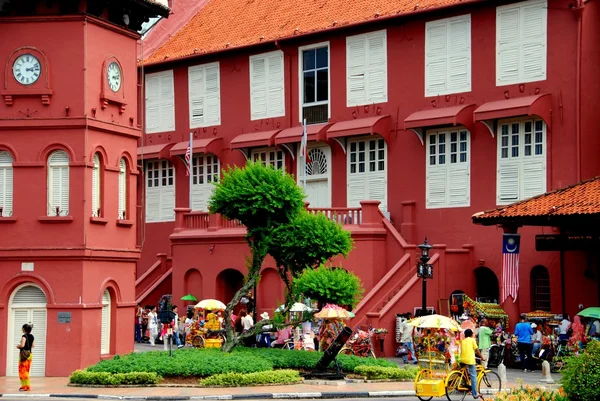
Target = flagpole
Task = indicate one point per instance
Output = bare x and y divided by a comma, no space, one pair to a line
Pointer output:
191,170
305,140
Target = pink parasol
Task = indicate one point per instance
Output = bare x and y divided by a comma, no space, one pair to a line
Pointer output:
332,311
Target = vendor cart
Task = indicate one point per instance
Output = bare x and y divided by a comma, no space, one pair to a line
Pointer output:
436,347
480,310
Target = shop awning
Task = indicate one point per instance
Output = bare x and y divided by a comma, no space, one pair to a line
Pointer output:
316,132
160,151
443,116
536,105
204,145
254,139
379,125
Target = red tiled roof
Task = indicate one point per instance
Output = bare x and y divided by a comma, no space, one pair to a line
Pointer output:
581,199
226,24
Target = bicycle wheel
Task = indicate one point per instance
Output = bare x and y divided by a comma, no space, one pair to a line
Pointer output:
453,384
198,342
418,379
288,345
489,383
346,351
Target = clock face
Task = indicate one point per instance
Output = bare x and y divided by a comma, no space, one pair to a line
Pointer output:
114,76
27,69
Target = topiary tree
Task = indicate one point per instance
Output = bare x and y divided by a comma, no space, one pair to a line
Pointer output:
330,285
262,198
307,241
581,374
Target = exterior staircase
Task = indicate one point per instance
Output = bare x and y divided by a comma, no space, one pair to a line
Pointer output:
155,282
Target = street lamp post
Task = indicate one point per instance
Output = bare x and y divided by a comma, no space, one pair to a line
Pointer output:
425,271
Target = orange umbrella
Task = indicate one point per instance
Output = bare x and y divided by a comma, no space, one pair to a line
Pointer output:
331,311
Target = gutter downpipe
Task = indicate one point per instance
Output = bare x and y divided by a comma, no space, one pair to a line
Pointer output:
579,10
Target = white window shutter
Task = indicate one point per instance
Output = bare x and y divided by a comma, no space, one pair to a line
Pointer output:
356,63
58,183
196,96
153,204
436,187
357,189
122,208
458,186
377,188
534,177
459,62
508,183
534,42
167,203
105,326
436,56
275,84
152,103
96,186
6,184
509,45
212,95
167,102
258,87
377,68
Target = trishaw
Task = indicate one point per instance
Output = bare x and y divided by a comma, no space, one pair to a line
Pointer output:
436,341
209,335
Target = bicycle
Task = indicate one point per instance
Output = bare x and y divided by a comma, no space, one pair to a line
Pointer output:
559,358
458,383
360,345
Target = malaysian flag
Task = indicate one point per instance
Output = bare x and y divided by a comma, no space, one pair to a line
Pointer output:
188,158
510,266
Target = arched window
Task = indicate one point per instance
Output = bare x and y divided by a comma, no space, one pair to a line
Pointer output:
96,187
540,289
105,334
123,189
6,184
58,184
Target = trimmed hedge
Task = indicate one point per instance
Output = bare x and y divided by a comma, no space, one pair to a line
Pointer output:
109,379
378,373
209,362
581,374
248,379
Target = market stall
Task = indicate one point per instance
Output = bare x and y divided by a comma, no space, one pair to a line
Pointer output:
492,312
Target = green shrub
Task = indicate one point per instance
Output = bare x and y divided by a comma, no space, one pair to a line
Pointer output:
378,372
248,379
581,374
110,379
331,285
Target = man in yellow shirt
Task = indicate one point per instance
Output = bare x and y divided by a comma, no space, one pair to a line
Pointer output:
468,349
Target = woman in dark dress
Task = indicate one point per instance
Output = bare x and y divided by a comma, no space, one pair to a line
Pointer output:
25,357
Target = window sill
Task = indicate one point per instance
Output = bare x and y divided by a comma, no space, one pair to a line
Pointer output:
98,220
55,219
125,223
8,220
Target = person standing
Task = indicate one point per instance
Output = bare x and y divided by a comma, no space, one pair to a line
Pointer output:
175,326
25,357
536,339
564,328
523,331
138,323
485,340
152,324
406,339
468,349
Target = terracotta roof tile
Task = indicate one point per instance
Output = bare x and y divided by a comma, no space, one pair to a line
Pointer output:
226,24
576,200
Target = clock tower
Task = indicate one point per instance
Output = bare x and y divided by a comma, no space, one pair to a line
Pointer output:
69,125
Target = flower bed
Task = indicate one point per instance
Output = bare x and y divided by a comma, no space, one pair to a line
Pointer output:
531,394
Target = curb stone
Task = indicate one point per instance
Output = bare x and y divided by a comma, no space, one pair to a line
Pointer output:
256,396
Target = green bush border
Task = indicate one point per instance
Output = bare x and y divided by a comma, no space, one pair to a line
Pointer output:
386,373
284,376
84,377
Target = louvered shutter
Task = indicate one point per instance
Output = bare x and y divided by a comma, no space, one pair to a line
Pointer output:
508,183
377,188
96,187
436,58
39,322
275,84
458,186
6,184
357,189
356,62
122,190
196,93
436,187
534,42
258,87
29,295
534,177
459,62
153,204
19,318
105,327
212,95
167,102
152,103
508,46
167,203
377,67
58,183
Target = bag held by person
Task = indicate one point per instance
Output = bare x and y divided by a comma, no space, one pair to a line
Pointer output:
23,353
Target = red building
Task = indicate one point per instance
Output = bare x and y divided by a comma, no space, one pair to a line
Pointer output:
68,133
432,110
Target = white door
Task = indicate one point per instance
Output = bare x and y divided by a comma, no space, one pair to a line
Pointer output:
28,305
105,329
318,177
367,171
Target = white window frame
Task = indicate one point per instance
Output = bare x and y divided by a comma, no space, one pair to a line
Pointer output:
268,84
268,153
366,139
96,186
191,98
367,69
524,42
158,187
122,195
521,160
448,57
6,183
301,79
52,168
105,326
150,102
449,167
200,172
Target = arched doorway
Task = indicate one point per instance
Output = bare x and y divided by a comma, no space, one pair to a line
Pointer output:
540,289
488,289
229,281
318,175
27,305
192,282
105,327
269,290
